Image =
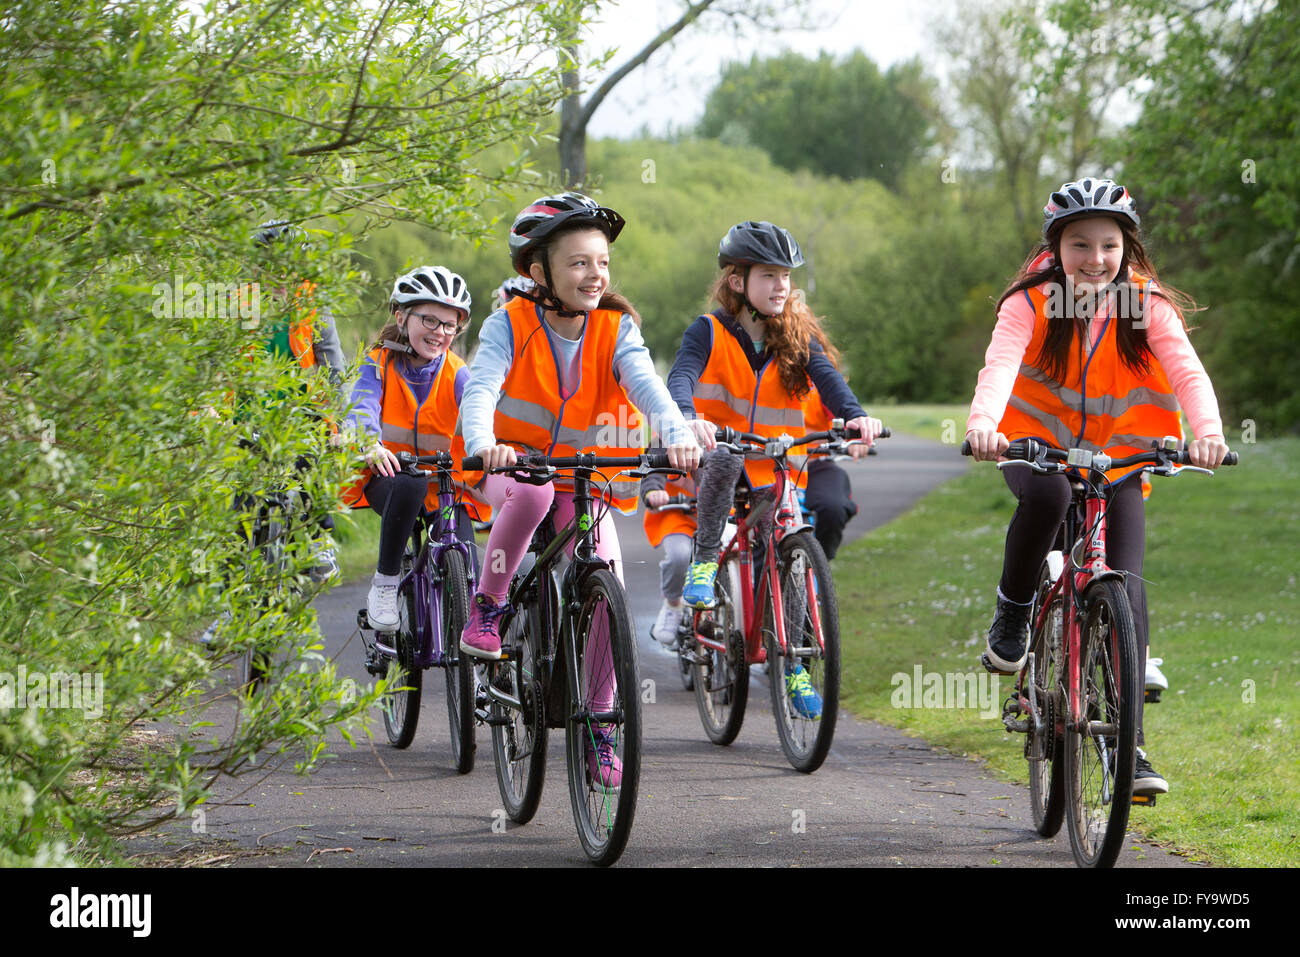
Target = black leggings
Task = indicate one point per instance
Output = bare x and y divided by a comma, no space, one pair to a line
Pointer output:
1043,500
399,499
830,498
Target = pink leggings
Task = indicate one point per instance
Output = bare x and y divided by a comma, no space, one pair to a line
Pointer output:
518,509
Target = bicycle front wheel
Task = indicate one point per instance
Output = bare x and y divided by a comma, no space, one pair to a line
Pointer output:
805,679
1046,771
1099,757
519,735
603,726
401,703
721,679
458,669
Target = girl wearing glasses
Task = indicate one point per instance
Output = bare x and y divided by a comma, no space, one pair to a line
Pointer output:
407,400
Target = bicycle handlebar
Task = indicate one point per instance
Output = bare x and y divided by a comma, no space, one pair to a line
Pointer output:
1027,450
651,458
728,436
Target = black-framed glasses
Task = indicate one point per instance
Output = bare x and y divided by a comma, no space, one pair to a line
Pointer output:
433,322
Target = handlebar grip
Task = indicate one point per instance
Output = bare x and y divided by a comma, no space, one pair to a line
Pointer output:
1184,458
965,447
657,459
857,433
472,463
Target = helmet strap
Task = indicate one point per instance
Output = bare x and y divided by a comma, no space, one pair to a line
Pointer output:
754,310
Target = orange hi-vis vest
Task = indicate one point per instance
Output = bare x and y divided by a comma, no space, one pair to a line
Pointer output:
730,393
659,525
598,417
301,331
419,428
1101,404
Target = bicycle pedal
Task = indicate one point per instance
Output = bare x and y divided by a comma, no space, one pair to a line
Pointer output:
1153,695
992,668
1144,800
363,620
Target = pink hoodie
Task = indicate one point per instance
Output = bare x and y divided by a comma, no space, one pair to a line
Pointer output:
1165,335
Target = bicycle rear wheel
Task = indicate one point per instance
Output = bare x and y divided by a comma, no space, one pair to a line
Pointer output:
721,680
603,726
1047,773
458,669
1099,758
519,736
401,704
805,730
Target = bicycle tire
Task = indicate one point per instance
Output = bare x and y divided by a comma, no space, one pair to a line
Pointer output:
401,705
520,737
721,681
1099,786
458,669
805,740
1047,774
603,815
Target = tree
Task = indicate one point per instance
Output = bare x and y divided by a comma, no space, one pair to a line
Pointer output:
576,114
837,117
142,141
1213,163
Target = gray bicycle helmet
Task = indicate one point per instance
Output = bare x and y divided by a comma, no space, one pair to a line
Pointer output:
1088,196
753,242
275,230
432,284
544,216
514,286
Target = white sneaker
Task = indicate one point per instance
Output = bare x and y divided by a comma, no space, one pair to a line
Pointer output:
1155,678
667,623
381,607
213,631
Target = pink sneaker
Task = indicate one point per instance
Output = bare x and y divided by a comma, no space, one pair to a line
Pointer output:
604,769
482,635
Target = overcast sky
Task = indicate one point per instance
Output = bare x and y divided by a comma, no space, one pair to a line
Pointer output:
669,91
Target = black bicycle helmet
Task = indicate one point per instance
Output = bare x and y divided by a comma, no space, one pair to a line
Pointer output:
1085,197
751,242
544,216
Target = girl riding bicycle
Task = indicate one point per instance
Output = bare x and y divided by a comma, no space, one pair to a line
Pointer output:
406,400
1088,351
562,369
749,365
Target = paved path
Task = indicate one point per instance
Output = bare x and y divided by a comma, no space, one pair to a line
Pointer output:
881,798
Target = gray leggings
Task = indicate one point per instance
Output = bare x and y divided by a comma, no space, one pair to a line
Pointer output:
716,490
672,570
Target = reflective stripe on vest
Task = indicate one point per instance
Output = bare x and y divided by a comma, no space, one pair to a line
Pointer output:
730,393
597,417
419,428
1101,404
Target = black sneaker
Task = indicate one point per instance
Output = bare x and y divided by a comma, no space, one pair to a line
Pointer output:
1146,780
1009,636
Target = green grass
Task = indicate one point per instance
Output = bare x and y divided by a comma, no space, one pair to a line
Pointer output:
941,423
1223,558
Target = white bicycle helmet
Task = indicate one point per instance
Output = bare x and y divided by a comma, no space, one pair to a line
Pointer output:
514,286
432,284
1088,196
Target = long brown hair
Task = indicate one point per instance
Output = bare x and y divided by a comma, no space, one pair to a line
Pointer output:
609,299
788,334
1130,330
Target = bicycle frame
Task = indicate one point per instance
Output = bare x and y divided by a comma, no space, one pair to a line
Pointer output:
1069,587
584,560
788,519
438,531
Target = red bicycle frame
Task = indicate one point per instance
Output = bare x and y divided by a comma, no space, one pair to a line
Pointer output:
788,519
